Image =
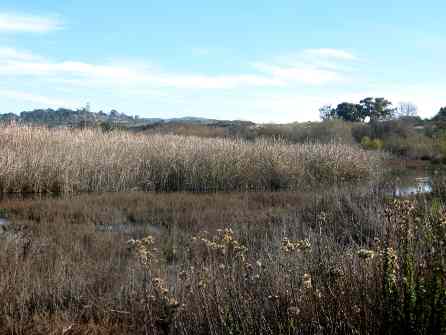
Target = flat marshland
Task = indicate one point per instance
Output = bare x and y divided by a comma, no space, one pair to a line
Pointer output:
340,260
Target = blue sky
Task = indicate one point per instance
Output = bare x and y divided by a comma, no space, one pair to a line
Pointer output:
267,61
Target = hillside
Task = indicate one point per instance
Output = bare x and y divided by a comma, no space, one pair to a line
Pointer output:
83,117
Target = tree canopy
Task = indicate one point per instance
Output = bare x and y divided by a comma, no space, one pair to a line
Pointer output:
441,115
370,108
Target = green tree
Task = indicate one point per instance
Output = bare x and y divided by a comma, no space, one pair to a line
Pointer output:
383,109
377,108
373,108
349,112
368,106
441,115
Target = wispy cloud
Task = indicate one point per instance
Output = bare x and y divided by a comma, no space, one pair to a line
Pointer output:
334,54
131,74
236,92
7,53
279,73
310,66
13,22
38,99
303,74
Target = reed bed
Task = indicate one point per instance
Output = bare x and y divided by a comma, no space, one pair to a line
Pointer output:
42,160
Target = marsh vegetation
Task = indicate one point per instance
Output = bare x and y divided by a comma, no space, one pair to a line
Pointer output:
306,239
341,262
42,160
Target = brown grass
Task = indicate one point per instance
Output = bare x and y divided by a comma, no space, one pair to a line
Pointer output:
39,160
283,263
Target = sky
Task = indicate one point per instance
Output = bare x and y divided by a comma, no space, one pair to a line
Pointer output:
265,61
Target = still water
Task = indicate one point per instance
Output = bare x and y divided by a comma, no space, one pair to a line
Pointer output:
3,222
407,186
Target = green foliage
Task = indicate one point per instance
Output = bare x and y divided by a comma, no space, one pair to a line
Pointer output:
81,118
400,137
375,144
377,109
349,112
322,132
414,286
441,115
416,147
372,108
111,126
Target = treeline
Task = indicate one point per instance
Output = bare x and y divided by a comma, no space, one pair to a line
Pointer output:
84,118
64,116
369,109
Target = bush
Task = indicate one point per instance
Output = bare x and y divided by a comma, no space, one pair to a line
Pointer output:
321,132
369,144
416,147
383,129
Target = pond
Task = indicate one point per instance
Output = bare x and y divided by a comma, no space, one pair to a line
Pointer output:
129,228
3,223
409,186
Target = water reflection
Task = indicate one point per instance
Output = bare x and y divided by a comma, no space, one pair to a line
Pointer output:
3,224
128,228
409,186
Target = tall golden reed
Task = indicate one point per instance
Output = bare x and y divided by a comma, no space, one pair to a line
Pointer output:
38,159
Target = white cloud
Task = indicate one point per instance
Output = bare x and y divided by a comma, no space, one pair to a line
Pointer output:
310,66
283,90
131,75
40,100
328,53
136,75
7,53
12,22
283,108
304,74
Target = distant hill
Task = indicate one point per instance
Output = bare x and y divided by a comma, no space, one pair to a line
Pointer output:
63,116
83,117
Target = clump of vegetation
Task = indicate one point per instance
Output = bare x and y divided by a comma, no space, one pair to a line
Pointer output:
375,144
328,131
41,160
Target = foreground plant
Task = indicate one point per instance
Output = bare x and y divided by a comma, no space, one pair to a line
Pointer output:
265,265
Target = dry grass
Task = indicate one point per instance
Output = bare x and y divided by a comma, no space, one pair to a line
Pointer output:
39,160
282,263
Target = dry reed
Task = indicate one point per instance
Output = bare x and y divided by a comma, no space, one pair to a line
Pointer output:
41,160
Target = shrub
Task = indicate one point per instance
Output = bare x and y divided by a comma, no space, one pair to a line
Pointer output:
415,147
369,144
322,132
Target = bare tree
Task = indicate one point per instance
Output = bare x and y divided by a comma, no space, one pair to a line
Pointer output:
406,110
326,113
